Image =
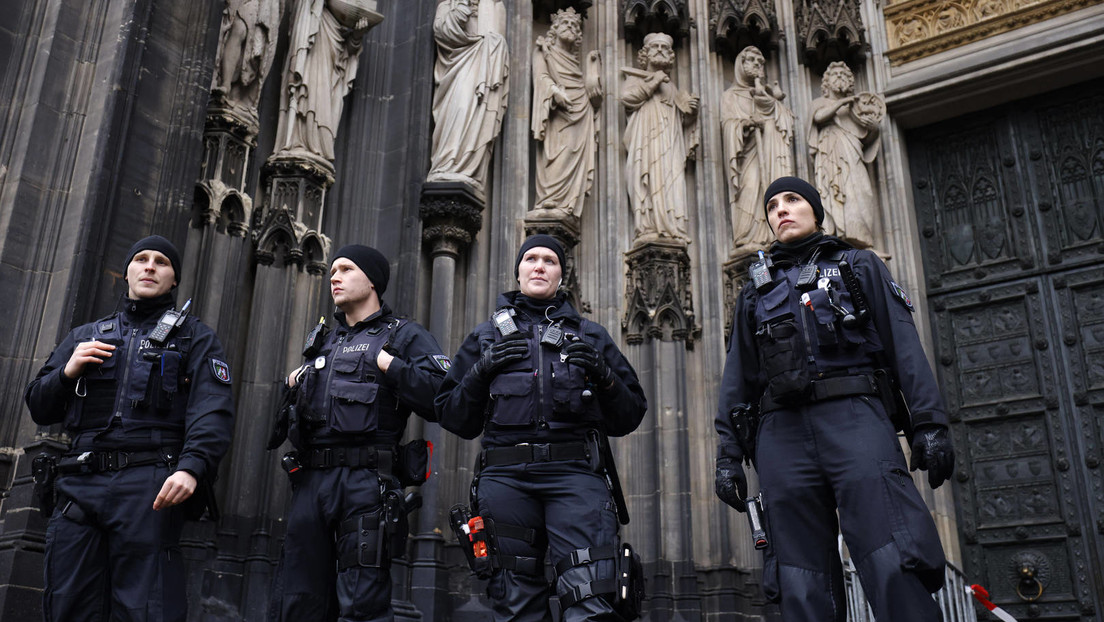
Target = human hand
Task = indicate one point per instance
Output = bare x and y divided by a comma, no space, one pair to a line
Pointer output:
177,489
730,483
512,349
86,352
383,360
582,354
933,452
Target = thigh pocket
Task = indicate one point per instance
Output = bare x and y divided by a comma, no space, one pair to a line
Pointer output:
912,526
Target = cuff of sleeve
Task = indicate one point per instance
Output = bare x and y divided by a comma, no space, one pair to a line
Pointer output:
729,452
394,369
66,381
930,417
192,465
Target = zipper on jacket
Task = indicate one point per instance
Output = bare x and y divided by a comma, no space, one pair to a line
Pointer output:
542,422
126,374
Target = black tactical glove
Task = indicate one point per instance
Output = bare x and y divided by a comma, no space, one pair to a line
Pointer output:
730,483
512,349
932,452
582,354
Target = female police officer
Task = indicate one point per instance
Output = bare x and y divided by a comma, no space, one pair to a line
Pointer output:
544,386
145,396
820,336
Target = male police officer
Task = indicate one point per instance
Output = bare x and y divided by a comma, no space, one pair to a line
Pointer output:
351,401
544,386
820,334
145,397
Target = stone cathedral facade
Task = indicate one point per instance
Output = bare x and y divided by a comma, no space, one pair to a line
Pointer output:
962,140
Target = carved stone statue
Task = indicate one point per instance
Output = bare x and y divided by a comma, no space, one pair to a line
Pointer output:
655,137
470,97
757,135
321,65
247,45
844,140
565,106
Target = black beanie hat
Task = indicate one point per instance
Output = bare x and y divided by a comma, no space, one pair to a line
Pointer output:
370,261
538,240
800,186
161,245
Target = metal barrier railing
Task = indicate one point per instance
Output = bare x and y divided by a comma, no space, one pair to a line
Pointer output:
956,604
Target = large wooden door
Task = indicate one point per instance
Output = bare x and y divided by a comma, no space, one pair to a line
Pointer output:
1010,203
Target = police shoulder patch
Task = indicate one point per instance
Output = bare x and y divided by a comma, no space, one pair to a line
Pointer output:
900,294
443,361
220,370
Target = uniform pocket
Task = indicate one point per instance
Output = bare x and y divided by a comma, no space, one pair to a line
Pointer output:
568,382
913,529
353,406
513,396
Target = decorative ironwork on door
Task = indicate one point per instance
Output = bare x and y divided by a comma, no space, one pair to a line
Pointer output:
1010,205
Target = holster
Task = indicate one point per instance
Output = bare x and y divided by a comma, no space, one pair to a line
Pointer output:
894,403
44,473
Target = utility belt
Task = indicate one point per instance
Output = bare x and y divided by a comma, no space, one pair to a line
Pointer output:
356,457
114,460
824,389
410,463
523,453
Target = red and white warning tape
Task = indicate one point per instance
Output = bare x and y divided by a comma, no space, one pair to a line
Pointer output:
982,596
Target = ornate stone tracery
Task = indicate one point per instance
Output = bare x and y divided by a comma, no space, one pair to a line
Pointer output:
830,31
642,17
658,297
736,24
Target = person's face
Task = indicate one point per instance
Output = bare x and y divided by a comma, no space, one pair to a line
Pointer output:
149,275
753,65
539,273
349,286
661,55
568,31
839,81
791,217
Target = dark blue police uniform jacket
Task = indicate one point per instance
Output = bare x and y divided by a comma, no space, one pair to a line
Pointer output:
172,401
825,443
540,402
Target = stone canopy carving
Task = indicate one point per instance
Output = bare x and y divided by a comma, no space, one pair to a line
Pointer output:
660,117
737,24
321,64
830,31
469,101
566,97
757,136
844,140
642,17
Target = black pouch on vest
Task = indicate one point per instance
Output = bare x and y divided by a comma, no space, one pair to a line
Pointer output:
414,462
781,352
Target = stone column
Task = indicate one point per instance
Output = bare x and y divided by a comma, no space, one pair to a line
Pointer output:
451,213
660,328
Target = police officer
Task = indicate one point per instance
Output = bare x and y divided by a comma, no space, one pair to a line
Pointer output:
820,336
149,413
351,401
544,386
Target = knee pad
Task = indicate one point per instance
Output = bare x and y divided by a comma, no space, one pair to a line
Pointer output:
624,592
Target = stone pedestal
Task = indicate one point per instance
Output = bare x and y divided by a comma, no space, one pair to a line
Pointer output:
658,294
565,228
